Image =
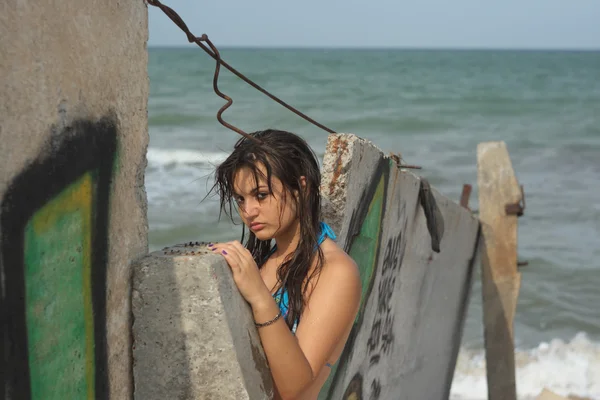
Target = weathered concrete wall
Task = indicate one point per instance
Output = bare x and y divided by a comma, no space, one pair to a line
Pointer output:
194,334
73,137
416,250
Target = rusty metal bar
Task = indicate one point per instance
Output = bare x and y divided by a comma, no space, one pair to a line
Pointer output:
517,208
397,158
221,94
466,194
212,51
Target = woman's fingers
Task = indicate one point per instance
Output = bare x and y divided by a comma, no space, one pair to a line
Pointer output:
244,254
245,272
236,255
215,247
230,253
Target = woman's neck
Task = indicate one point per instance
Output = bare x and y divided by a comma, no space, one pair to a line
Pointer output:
288,241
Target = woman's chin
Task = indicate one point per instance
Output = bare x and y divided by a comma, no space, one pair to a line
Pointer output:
263,235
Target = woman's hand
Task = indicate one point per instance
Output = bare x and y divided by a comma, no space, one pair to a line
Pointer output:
245,272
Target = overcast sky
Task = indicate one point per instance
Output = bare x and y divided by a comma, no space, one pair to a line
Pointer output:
557,24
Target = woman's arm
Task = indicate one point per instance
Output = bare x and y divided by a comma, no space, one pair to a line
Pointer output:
329,316
290,369
295,361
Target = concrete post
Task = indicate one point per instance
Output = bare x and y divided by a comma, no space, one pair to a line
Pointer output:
194,335
73,138
416,250
501,281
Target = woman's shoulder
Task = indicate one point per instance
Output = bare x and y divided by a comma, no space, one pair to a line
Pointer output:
338,286
337,264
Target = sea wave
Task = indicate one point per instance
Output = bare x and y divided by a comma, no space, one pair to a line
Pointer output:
566,368
170,157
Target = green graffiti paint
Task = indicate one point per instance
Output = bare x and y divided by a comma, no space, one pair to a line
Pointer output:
366,245
58,295
54,246
363,251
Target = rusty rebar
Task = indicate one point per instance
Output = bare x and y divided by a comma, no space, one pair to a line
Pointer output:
465,195
212,51
517,208
221,94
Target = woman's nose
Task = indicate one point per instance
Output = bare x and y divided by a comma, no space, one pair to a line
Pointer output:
251,209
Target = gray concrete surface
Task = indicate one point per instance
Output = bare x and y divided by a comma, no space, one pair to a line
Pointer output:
194,335
73,138
407,335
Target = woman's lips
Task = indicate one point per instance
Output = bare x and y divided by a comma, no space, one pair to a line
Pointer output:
257,226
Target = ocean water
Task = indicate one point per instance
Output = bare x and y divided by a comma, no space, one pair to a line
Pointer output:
433,107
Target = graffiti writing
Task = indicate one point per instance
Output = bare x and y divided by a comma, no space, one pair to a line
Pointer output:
363,245
53,254
375,389
379,262
380,353
381,339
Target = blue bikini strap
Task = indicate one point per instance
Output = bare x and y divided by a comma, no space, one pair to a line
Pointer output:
326,231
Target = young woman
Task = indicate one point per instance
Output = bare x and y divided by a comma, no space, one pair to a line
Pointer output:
303,289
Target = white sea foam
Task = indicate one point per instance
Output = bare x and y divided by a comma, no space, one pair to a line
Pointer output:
164,157
571,368
178,178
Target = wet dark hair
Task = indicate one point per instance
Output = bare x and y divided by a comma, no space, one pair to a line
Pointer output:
287,157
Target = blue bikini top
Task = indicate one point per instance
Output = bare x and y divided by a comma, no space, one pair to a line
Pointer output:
281,295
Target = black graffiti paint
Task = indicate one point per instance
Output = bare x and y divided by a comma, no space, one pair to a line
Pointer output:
392,258
373,343
386,289
382,337
354,391
387,334
359,214
375,390
85,148
380,342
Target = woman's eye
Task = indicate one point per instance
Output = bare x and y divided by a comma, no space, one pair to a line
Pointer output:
262,195
239,200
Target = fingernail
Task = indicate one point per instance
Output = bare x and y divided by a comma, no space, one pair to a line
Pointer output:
214,248
224,252
210,245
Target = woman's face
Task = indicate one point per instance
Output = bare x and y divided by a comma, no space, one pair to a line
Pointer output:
266,214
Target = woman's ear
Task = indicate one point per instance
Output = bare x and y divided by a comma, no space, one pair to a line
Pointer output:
303,182
302,185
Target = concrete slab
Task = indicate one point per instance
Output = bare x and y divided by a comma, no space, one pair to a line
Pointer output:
194,336
407,334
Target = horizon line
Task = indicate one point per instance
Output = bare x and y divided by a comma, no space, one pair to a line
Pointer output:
341,47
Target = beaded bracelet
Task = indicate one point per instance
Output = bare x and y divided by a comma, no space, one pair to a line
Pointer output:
268,322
